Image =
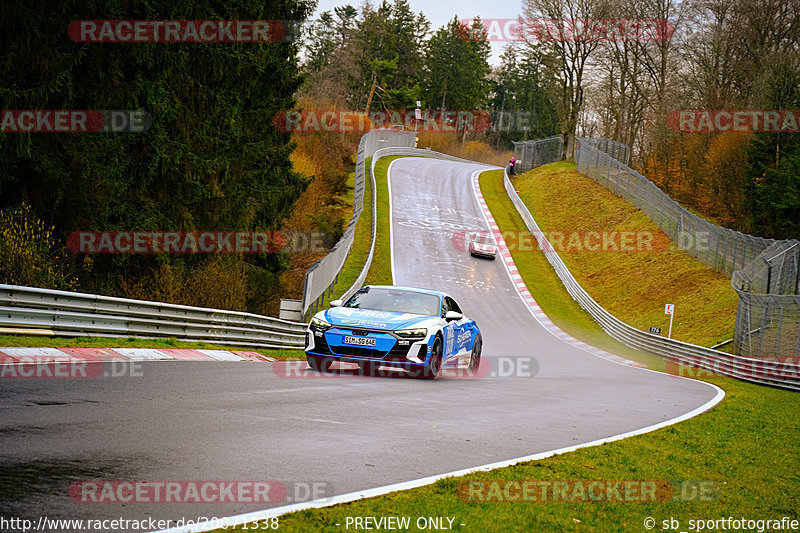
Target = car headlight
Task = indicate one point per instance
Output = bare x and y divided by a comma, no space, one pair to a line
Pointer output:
317,324
416,333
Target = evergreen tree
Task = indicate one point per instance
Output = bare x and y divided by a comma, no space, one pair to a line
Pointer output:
457,67
211,160
521,105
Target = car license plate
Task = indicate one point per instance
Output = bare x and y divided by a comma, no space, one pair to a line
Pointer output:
360,341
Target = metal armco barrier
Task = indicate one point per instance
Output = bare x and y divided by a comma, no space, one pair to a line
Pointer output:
51,312
323,274
783,374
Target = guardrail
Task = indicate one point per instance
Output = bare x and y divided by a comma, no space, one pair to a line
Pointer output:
781,374
321,276
50,312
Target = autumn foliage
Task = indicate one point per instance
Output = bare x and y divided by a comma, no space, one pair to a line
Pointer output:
707,174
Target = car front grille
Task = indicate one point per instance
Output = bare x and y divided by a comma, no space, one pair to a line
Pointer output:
359,351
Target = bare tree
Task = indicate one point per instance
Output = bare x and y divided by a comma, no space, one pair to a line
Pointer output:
634,74
569,51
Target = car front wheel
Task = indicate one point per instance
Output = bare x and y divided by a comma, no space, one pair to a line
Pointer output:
475,356
434,368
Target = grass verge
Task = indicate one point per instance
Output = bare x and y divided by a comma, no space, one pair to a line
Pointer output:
46,341
358,254
380,272
632,285
736,460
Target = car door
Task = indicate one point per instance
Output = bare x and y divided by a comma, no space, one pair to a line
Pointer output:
449,331
464,326
458,330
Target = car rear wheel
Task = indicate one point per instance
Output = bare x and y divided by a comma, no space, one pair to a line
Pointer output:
320,364
434,368
475,356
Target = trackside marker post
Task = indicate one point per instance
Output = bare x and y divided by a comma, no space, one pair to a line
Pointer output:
669,309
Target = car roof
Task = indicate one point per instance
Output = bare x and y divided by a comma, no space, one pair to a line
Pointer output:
413,289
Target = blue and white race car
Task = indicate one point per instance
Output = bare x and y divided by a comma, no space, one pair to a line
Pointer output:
418,330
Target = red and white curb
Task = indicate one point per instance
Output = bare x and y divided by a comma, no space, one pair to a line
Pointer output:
27,356
522,289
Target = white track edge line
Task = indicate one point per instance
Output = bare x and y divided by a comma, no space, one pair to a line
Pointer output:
416,483
391,233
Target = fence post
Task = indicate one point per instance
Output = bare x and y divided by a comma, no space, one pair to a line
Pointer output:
769,273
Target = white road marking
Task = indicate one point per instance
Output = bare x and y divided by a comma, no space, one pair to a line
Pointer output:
379,491
421,482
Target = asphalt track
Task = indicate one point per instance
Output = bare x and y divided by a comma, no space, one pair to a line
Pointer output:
240,421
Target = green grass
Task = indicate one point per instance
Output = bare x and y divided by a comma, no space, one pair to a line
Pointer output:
358,254
634,285
544,284
744,449
381,270
46,341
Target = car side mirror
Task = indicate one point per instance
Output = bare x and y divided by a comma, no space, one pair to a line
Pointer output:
336,303
450,316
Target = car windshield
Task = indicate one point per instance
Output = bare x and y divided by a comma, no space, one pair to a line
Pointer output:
395,300
484,240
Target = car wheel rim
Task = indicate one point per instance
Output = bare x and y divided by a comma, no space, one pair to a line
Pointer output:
436,366
475,360
436,359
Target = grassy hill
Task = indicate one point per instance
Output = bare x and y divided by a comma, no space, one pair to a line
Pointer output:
623,260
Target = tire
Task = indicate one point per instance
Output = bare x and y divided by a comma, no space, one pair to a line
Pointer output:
475,355
434,368
320,364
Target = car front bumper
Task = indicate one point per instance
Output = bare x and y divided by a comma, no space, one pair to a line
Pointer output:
388,349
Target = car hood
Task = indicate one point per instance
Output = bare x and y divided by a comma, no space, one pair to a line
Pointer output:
371,319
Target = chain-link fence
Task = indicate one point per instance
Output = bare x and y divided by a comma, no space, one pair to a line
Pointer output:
768,315
531,154
764,272
619,151
723,249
